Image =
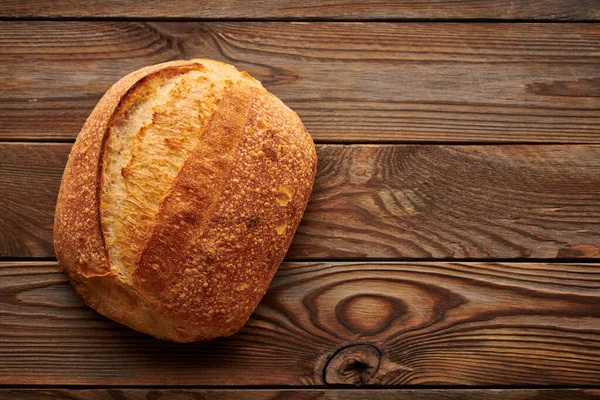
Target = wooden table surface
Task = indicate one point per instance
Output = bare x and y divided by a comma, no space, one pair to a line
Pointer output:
451,247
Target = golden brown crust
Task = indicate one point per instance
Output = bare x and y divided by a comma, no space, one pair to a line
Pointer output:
78,238
221,231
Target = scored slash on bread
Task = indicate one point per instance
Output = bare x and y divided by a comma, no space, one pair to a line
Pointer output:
181,197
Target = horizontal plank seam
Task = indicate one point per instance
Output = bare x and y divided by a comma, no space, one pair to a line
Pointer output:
581,260
374,260
294,19
303,387
357,143
449,142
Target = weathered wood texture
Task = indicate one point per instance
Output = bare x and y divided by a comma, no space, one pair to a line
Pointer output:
29,181
425,323
383,201
299,394
312,9
349,82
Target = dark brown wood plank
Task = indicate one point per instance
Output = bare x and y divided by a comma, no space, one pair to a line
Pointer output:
299,394
428,323
383,201
29,181
347,10
349,82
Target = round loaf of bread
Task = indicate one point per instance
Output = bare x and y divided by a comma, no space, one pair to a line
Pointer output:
181,197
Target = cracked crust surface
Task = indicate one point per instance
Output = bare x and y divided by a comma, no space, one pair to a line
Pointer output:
180,198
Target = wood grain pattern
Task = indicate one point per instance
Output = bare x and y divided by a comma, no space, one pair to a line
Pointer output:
345,10
454,202
383,201
366,82
29,182
299,394
429,324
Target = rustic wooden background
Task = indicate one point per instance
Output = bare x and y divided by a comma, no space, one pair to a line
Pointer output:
451,248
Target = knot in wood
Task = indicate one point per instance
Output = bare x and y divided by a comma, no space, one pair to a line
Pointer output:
353,365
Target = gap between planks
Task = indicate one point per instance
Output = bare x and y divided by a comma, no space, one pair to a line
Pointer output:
41,260
307,19
353,142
